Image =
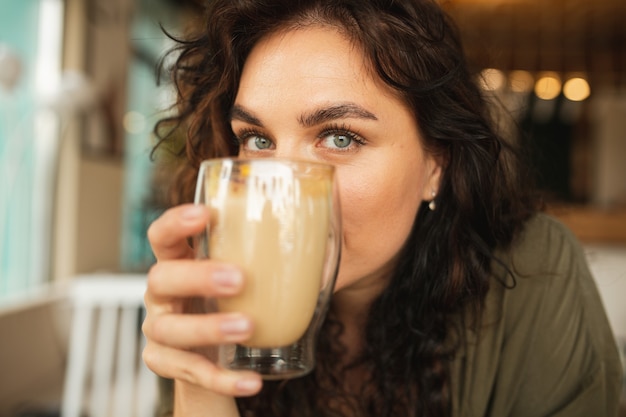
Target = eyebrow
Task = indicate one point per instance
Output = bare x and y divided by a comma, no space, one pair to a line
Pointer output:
316,117
239,113
334,112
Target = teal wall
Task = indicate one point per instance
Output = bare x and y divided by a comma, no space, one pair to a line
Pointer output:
18,31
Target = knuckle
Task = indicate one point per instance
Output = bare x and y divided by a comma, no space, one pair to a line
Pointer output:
155,278
153,231
146,328
150,357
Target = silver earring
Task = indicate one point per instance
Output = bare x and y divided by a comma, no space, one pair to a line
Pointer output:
432,205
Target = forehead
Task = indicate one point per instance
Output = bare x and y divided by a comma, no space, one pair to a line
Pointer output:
310,60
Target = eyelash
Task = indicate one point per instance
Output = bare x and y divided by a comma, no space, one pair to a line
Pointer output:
243,134
343,129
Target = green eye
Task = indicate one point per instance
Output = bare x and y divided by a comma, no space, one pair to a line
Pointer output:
262,143
259,143
342,141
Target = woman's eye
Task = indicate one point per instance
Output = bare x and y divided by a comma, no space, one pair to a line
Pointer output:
257,143
339,140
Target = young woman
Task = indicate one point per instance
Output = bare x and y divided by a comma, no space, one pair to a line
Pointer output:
455,297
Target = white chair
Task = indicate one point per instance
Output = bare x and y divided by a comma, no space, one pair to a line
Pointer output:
105,376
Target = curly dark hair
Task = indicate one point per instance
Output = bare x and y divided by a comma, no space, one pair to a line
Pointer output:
440,283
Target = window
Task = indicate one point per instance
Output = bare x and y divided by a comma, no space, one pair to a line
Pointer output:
30,72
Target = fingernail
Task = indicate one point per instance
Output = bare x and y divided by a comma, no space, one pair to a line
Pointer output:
192,212
227,279
248,386
235,326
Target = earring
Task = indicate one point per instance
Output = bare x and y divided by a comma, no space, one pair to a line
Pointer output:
432,205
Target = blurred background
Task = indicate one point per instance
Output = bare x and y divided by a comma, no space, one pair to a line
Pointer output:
79,98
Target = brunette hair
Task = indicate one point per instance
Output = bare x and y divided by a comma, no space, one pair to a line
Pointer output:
444,270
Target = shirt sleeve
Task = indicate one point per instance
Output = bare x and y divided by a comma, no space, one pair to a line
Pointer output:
545,347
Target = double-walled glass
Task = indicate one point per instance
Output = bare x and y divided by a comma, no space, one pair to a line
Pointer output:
279,221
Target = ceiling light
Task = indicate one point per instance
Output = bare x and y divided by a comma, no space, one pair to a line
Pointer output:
492,79
548,86
576,89
521,81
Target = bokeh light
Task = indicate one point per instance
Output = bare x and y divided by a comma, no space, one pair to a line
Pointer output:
548,86
576,89
521,81
492,79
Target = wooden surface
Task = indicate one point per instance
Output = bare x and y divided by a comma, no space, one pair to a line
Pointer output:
593,224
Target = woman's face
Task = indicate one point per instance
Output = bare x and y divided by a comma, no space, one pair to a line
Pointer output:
309,94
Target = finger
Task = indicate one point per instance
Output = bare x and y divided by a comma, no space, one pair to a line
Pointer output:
196,369
169,233
190,278
197,330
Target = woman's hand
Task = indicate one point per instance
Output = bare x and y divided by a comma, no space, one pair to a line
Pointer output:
175,337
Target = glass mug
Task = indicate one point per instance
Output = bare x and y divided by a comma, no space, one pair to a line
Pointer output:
279,221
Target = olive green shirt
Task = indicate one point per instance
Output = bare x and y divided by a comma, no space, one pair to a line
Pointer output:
544,348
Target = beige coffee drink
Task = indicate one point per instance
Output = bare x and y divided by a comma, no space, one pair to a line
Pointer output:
276,227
